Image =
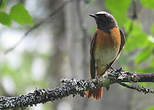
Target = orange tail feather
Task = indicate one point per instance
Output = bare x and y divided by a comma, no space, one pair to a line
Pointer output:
96,93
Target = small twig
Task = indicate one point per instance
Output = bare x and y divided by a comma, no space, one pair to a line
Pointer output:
139,88
24,36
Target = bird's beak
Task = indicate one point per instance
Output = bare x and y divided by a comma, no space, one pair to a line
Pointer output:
93,15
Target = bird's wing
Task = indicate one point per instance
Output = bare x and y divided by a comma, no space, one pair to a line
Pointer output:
122,43
92,59
122,40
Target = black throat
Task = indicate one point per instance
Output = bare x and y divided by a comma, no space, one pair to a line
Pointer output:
106,28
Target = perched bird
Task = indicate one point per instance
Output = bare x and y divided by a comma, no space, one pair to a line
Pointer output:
106,47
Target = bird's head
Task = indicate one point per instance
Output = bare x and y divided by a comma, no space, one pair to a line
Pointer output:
104,20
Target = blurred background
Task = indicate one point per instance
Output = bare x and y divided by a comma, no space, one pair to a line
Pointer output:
59,48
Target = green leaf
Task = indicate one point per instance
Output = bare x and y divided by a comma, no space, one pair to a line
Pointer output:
136,39
119,10
148,3
143,55
150,108
21,15
5,19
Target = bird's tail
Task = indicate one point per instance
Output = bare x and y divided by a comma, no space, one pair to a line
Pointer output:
96,93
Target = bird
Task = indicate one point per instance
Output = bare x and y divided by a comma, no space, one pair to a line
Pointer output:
105,48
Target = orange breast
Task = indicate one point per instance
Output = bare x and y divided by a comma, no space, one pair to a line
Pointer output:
107,48
108,40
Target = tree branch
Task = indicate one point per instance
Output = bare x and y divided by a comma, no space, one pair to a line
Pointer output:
77,87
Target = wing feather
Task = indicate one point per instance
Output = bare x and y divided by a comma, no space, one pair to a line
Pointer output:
92,59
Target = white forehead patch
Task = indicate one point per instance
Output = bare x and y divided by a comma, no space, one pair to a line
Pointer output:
103,12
